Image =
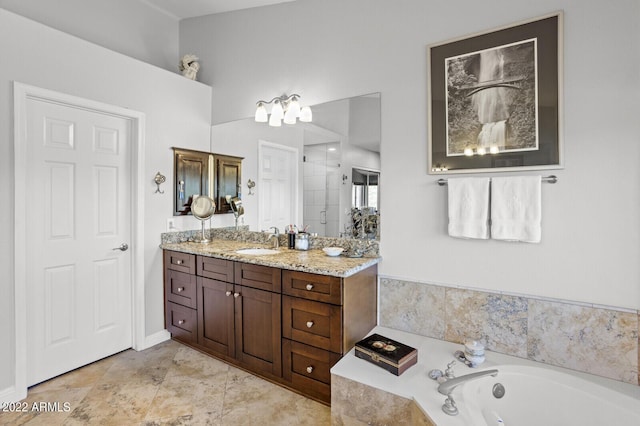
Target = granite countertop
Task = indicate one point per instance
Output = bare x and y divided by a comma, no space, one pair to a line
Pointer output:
314,260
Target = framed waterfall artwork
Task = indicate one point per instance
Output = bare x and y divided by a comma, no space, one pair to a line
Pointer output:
495,99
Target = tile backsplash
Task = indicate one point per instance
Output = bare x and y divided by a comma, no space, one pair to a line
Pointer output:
597,340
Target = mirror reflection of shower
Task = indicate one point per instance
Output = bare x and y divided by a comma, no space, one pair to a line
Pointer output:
322,184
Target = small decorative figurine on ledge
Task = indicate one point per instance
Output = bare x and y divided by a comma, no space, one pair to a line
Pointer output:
189,66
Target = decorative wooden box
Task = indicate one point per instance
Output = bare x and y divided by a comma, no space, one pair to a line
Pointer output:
395,357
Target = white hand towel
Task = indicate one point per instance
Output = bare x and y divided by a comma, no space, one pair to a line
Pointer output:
469,208
516,208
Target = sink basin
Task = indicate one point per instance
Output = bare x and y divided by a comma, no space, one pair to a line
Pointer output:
257,251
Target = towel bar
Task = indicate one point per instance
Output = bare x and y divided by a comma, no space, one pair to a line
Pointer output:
548,179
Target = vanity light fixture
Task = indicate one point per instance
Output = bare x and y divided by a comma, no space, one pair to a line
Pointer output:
285,108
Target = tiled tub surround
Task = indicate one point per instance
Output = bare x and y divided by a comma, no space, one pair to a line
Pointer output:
598,340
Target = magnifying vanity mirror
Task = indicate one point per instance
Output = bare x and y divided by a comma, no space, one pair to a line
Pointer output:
307,174
202,208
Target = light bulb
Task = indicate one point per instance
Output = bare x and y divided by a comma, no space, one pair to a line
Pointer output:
482,151
290,116
274,121
468,152
261,113
305,114
294,107
494,149
277,111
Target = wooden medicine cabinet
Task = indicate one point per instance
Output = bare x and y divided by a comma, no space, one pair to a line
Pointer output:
204,173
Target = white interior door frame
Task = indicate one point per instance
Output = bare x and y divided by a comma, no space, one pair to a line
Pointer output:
21,93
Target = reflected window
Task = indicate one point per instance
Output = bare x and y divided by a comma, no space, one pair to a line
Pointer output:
364,188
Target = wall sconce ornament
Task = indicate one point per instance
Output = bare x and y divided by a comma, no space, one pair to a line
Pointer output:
189,66
251,184
285,108
159,179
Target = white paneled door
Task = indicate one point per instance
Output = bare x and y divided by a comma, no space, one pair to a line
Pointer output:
278,180
78,279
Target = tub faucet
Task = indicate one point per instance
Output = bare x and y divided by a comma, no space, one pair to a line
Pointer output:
447,387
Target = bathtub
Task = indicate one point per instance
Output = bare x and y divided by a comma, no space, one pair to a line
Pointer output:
536,396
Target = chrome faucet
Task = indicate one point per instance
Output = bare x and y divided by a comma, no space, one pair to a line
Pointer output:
275,236
447,387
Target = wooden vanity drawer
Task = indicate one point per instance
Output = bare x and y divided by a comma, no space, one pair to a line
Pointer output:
180,288
182,322
216,269
322,288
314,323
307,368
258,276
181,262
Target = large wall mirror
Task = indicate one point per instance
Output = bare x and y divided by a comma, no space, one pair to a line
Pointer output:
307,174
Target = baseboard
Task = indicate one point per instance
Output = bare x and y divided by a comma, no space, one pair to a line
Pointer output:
154,339
11,394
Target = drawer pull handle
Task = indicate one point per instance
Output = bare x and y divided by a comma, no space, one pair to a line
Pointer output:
236,295
228,293
180,289
180,322
310,369
309,324
309,287
178,262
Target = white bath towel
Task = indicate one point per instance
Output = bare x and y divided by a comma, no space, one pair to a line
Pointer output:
469,208
516,208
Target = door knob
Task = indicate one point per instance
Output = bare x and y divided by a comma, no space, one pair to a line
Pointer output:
123,247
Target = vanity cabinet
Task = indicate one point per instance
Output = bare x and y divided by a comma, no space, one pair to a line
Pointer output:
180,296
216,330
287,326
322,319
239,310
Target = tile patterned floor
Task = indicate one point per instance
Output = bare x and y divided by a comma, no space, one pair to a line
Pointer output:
168,384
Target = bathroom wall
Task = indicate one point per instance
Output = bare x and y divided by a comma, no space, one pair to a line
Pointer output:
134,28
590,232
177,113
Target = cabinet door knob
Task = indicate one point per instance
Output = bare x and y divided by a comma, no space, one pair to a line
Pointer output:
181,322
309,287
310,369
309,324
236,295
228,293
178,262
180,289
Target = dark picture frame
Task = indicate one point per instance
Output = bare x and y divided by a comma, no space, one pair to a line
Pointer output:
495,99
